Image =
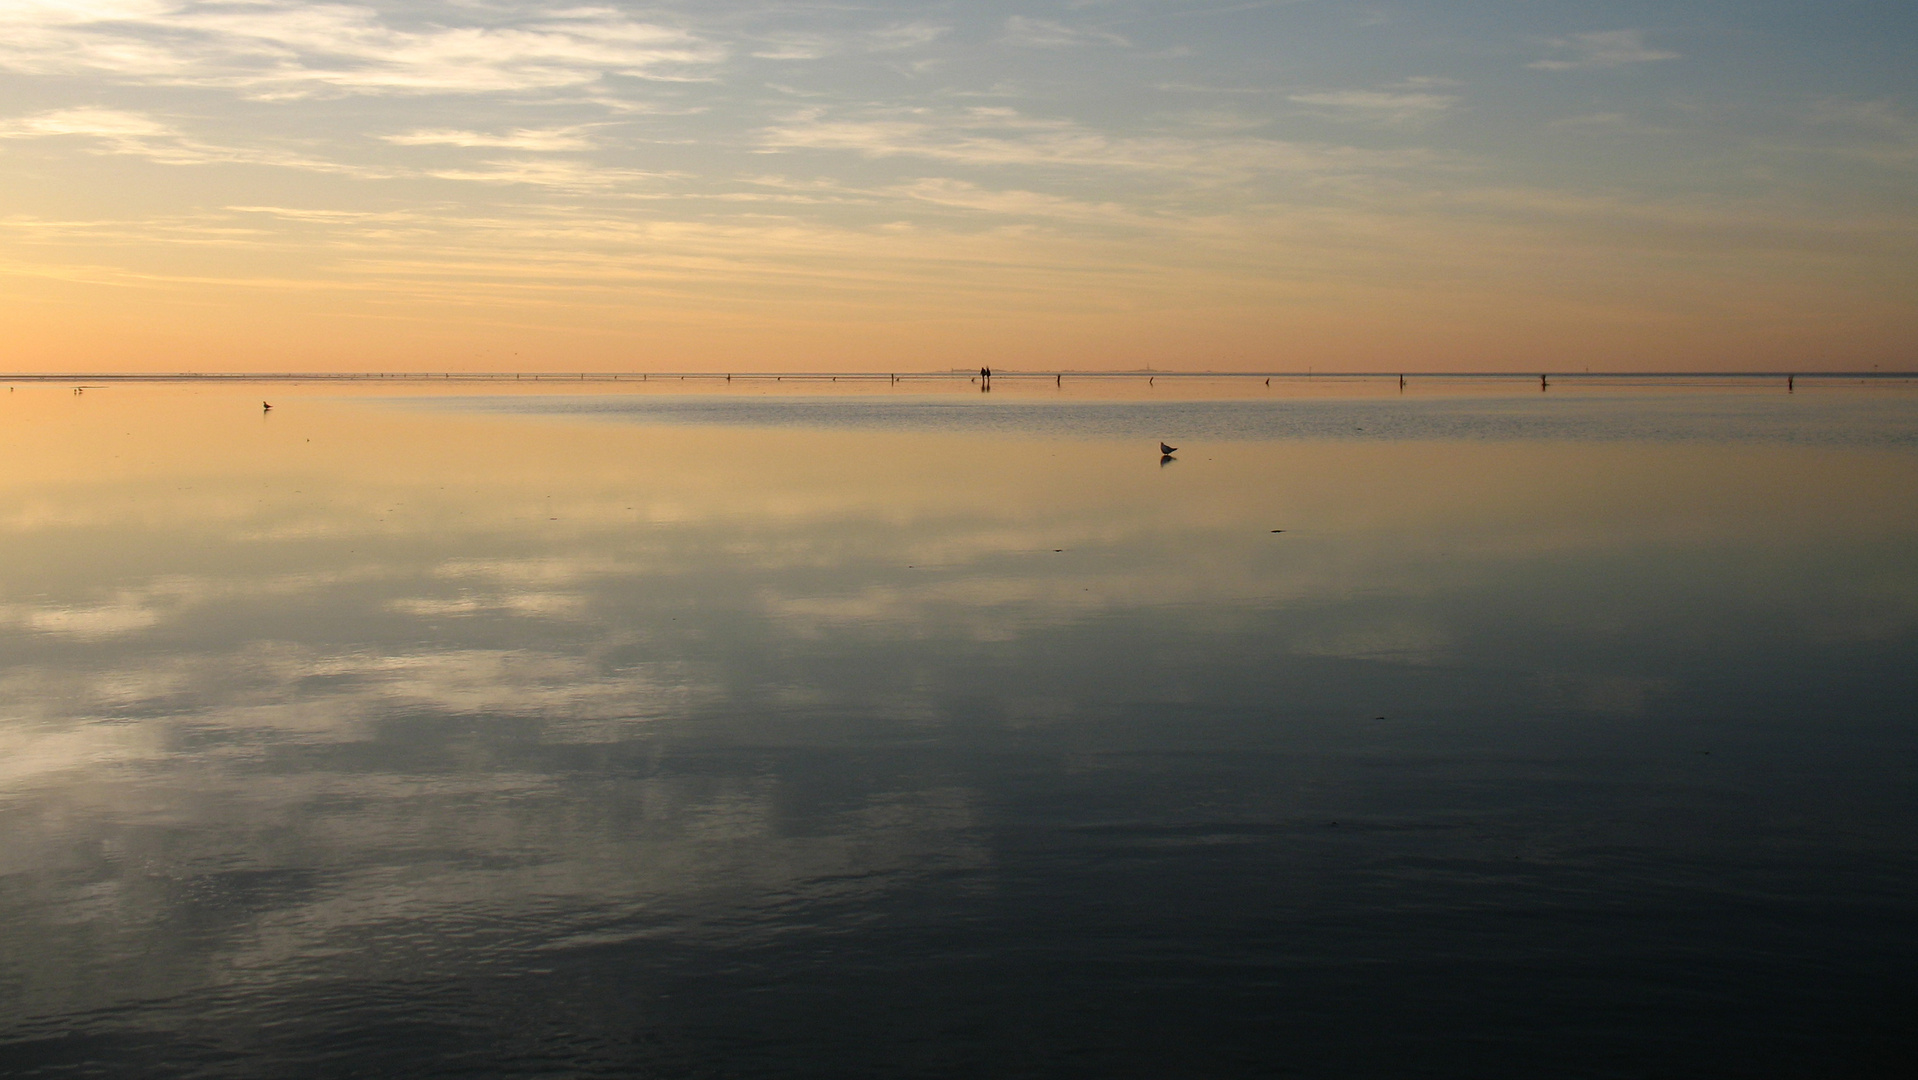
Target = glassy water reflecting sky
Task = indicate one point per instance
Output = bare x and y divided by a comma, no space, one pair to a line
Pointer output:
749,733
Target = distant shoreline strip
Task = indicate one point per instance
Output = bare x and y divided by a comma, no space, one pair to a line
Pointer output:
932,376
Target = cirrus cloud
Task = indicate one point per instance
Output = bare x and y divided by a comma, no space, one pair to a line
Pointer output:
1048,34
517,139
117,131
277,48
1007,137
1600,49
1387,105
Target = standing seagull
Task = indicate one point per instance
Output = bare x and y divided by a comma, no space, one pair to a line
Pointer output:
1164,449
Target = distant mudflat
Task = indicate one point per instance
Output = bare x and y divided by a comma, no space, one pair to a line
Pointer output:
1856,419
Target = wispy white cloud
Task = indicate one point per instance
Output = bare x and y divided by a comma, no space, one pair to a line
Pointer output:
332,217
960,195
1219,119
126,132
567,174
1727,227
1203,88
796,46
909,35
1048,34
116,131
113,131
281,48
802,45
1877,131
1608,123
1600,49
568,138
1392,105
1003,136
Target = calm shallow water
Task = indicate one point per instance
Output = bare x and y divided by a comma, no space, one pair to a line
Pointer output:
809,736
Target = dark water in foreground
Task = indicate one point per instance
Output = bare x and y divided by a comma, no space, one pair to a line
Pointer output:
478,739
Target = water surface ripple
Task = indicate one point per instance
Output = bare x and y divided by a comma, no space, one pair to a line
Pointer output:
807,737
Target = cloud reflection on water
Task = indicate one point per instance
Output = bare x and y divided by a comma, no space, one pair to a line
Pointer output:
275,709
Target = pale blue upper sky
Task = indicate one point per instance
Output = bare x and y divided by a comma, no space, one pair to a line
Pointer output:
729,153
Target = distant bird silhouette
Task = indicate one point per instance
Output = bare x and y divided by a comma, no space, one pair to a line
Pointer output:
1164,449
264,407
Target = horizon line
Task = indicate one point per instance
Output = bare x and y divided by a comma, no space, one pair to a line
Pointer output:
902,376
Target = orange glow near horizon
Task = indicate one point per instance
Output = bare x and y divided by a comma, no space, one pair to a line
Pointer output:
195,186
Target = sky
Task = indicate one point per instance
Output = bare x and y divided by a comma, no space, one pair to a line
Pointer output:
1481,185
